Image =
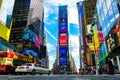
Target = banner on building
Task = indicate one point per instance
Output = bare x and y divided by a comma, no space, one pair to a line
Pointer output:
88,59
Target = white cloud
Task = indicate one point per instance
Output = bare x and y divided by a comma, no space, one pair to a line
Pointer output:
50,47
52,58
50,34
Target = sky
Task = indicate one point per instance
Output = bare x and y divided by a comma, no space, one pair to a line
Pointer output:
51,28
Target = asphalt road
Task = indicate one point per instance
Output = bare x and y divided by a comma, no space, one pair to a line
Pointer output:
59,77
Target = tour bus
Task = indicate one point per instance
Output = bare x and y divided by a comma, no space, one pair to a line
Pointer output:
10,60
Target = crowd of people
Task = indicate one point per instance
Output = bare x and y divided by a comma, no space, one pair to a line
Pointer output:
109,68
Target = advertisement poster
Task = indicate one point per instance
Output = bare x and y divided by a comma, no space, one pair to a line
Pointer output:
63,39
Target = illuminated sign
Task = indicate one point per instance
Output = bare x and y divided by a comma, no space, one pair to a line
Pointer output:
88,59
63,25
63,51
63,39
111,43
63,60
100,37
37,41
102,51
63,29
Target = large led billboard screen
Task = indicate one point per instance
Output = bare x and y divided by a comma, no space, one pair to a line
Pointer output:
29,35
63,25
100,37
63,39
103,53
63,61
63,51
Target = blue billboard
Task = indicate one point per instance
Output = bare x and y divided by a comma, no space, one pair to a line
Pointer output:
63,25
63,61
63,22
63,51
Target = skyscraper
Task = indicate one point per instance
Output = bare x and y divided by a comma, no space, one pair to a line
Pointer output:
63,39
27,26
85,12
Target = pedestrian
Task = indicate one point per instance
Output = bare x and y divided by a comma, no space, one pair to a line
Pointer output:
110,66
116,69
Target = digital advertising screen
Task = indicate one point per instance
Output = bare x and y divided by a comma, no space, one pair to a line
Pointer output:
63,60
102,51
63,51
29,35
63,25
100,37
63,39
37,41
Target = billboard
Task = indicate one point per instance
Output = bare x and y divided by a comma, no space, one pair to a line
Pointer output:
100,37
111,42
63,39
29,35
88,59
63,61
5,31
63,51
103,51
63,25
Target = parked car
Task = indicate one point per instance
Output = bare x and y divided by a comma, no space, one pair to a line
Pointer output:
31,68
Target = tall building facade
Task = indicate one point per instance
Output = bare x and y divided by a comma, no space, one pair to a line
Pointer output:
63,39
27,26
20,16
85,13
109,19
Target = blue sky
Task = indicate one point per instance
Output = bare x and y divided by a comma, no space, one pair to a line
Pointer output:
51,27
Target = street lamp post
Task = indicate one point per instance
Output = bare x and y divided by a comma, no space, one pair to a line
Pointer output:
95,52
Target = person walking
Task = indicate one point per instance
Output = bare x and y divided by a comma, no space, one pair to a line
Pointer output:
110,66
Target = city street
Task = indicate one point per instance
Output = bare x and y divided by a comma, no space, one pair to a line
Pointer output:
59,77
